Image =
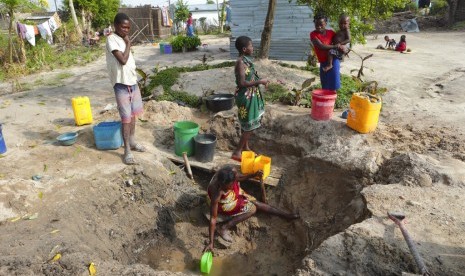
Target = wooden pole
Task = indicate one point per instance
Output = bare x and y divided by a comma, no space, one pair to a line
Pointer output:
188,165
262,186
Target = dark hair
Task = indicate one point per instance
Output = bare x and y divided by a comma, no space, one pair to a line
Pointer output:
120,18
343,16
319,16
242,42
386,36
225,175
402,38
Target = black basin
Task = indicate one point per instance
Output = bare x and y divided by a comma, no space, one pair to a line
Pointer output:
220,102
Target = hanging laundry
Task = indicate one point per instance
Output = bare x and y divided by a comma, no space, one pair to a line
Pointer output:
164,16
45,32
21,30
53,24
30,36
36,30
57,20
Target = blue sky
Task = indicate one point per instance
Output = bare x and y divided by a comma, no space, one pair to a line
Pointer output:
135,2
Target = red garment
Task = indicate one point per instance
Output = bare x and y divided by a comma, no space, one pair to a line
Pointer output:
326,39
232,202
402,46
189,21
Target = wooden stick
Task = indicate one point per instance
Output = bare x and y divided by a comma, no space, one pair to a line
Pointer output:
188,166
262,186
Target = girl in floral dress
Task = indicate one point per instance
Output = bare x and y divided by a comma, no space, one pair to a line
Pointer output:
249,99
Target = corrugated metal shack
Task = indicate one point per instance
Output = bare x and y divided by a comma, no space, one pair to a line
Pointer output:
290,38
147,23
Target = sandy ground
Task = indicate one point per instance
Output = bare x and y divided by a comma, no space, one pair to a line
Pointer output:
143,219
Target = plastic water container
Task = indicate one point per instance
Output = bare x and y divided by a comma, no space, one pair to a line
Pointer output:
162,47
364,112
205,145
247,162
82,111
262,163
168,49
184,133
323,101
107,135
2,142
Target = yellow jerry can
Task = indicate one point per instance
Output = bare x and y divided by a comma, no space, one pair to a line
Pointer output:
82,111
364,112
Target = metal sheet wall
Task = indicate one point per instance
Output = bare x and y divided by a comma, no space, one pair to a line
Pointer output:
292,25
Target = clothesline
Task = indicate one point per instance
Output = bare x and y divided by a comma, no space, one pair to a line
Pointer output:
45,29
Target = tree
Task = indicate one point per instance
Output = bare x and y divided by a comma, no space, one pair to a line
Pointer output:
362,12
12,6
95,13
210,2
452,9
76,23
267,29
181,12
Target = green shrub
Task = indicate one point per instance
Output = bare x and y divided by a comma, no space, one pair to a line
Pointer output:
180,97
180,41
439,7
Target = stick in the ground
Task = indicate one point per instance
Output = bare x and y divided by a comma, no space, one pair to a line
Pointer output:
188,165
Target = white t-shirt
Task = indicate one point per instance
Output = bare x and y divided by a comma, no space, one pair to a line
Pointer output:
124,74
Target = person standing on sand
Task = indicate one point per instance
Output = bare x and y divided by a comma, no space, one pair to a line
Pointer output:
122,71
321,39
249,98
225,196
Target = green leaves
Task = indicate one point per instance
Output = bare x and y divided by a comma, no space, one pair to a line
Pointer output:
185,41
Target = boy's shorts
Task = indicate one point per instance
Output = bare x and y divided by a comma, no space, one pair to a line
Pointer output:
129,101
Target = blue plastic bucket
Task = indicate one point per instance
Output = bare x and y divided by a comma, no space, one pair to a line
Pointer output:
2,142
168,49
107,135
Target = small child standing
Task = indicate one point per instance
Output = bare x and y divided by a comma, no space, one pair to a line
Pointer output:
121,68
342,37
390,43
249,99
402,46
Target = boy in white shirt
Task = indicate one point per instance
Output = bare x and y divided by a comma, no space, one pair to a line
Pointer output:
122,71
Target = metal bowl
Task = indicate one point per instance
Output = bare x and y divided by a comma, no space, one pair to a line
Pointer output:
220,102
67,139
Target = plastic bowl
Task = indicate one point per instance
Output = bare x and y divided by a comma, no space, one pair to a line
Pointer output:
67,139
206,262
220,102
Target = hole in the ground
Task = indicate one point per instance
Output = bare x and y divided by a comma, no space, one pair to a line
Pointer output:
327,197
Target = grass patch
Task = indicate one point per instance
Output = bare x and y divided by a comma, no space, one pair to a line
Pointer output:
64,75
168,77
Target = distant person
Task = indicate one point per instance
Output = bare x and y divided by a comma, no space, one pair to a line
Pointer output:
321,39
226,197
402,45
390,43
122,71
342,37
424,6
190,25
249,98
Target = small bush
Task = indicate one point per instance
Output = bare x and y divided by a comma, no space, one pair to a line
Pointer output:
180,41
439,7
180,97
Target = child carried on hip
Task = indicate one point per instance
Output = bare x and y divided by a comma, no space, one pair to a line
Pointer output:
342,37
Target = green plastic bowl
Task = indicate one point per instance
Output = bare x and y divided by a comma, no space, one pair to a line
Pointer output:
206,262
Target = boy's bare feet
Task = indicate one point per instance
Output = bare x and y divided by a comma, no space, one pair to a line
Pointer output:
224,233
327,68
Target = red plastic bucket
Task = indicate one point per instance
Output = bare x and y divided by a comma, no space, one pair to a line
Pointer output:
323,101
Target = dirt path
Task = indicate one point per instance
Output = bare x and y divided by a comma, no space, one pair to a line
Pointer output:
92,208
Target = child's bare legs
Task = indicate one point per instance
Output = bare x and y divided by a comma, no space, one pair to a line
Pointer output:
127,129
223,229
330,63
274,211
132,141
243,144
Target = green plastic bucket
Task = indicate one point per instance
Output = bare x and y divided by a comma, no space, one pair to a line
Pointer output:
184,133
162,47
